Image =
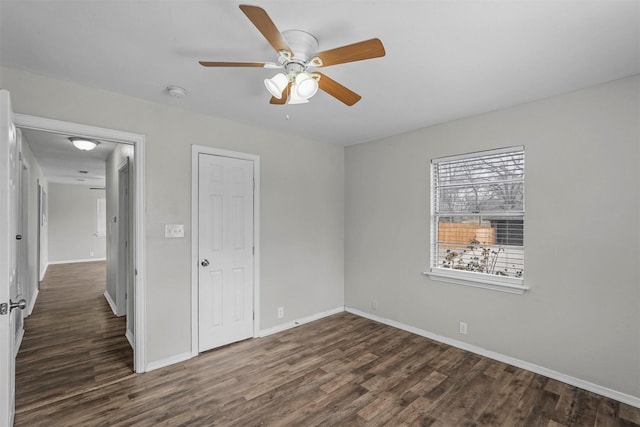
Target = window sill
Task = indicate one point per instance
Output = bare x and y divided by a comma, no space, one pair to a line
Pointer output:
497,283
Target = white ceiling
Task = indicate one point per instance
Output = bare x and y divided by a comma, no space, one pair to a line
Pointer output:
445,59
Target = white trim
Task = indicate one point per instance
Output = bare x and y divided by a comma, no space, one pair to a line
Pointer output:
496,283
478,153
301,321
577,382
72,261
44,271
110,302
138,141
129,337
19,341
168,361
195,151
32,302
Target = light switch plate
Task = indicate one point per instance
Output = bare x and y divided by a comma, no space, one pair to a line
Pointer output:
172,231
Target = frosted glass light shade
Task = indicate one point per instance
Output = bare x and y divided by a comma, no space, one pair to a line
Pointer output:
294,98
276,84
306,85
84,144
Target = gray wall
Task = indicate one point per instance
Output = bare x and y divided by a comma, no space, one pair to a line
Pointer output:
582,236
302,202
581,316
73,224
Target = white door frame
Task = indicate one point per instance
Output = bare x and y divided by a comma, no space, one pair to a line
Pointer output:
196,150
138,222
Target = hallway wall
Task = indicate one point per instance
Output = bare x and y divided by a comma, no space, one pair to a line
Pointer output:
73,224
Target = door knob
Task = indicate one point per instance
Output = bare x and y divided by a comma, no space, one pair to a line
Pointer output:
204,262
21,304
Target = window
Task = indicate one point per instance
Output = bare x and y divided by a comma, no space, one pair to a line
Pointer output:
478,219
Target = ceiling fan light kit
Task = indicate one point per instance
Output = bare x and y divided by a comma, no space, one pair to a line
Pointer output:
277,84
306,85
297,53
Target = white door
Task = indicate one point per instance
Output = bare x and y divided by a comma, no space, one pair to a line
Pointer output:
123,239
225,250
9,173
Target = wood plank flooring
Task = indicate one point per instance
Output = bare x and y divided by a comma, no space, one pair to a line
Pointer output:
343,370
72,340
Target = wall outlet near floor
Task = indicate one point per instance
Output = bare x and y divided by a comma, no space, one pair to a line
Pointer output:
280,312
90,253
374,304
463,328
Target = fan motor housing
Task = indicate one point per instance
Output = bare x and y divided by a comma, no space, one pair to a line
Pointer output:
304,45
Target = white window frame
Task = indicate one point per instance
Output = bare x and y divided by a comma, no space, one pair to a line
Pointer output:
514,285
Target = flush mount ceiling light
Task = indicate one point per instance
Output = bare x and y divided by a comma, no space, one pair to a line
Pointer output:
84,144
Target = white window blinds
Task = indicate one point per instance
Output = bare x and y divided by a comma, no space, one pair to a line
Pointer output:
478,213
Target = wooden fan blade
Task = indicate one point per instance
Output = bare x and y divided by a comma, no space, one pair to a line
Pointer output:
258,16
283,99
338,91
354,52
232,64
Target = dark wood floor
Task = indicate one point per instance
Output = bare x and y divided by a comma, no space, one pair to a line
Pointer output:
339,371
72,340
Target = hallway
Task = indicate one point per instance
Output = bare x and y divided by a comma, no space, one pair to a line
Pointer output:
73,342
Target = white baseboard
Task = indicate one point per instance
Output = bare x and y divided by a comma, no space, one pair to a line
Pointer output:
44,272
18,342
32,302
577,382
111,303
168,361
72,261
302,321
129,336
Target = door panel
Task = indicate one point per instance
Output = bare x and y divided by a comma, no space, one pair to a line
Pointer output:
225,223
9,173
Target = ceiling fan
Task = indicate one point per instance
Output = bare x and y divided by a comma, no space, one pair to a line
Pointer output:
297,55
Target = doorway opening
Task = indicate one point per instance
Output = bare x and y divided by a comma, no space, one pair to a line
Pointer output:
136,331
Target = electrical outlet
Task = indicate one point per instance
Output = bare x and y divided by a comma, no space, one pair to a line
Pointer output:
90,253
280,312
463,328
374,304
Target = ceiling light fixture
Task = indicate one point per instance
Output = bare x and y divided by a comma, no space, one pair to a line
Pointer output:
277,84
306,85
303,84
84,144
295,98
